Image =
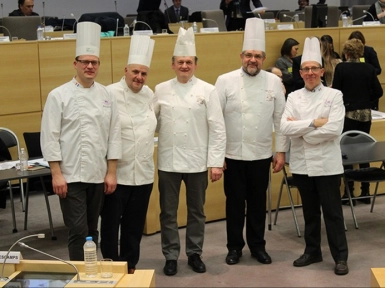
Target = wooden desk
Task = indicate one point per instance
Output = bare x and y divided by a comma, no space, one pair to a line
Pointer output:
141,278
377,277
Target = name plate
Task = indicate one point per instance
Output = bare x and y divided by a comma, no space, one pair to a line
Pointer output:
13,257
209,30
371,23
143,32
4,39
285,27
269,20
69,36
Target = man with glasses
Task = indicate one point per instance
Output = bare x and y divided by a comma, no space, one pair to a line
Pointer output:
192,140
252,102
25,9
81,140
314,119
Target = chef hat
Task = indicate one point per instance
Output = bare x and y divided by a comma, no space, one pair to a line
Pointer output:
311,51
185,44
254,37
87,39
141,49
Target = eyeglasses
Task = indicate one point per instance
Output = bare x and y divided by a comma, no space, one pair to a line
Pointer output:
256,56
85,63
313,69
188,63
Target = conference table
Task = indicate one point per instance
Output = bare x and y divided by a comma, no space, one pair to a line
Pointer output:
14,174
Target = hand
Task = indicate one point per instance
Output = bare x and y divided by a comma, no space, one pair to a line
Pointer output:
320,122
215,173
290,119
59,185
110,183
278,161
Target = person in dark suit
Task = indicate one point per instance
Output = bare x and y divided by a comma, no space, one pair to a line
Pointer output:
244,6
234,20
148,5
176,12
360,87
370,56
25,9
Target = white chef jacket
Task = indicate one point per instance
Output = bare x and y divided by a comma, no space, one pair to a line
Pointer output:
138,122
192,133
80,128
252,106
314,151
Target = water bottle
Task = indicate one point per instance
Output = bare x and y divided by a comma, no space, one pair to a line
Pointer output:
39,33
126,30
195,27
296,18
345,20
23,160
90,258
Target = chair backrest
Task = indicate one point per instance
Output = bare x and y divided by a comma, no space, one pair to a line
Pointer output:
195,17
22,27
9,139
268,15
355,136
32,142
308,14
215,18
333,16
288,16
358,11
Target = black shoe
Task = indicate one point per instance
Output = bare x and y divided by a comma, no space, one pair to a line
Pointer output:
196,263
307,259
170,268
233,257
261,256
341,268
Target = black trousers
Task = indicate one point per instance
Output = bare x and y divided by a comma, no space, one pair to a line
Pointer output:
245,185
81,209
350,124
317,192
127,208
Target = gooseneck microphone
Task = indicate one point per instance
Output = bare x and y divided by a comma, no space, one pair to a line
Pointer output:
367,12
359,18
142,22
116,7
43,15
2,10
2,278
9,33
117,25
21,244
212,20
76,21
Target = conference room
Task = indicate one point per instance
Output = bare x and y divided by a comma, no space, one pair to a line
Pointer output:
31,69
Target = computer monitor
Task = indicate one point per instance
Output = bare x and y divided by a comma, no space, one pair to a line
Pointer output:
319,15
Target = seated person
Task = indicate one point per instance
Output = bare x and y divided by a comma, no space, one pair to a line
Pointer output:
25,9
176,12
302,4
377,10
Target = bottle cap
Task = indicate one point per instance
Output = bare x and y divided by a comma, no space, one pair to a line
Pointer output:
89,238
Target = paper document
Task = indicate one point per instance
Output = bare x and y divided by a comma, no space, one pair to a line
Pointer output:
378,115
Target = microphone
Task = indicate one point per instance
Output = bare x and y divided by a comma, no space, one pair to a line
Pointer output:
136,21
2,10
117,25
367,12
9,33
21,244
76,21
116,7
359,18
62,23
206,19
2,278
44,14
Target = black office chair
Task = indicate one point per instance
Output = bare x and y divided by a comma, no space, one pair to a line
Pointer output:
289,182
371,174
195,17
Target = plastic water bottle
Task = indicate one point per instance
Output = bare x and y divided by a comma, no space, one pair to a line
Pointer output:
39,33
90,258
23,160
195,27
345,20
126,30
296,18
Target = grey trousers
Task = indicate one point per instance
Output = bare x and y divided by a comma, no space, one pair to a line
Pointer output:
169,189
81,209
